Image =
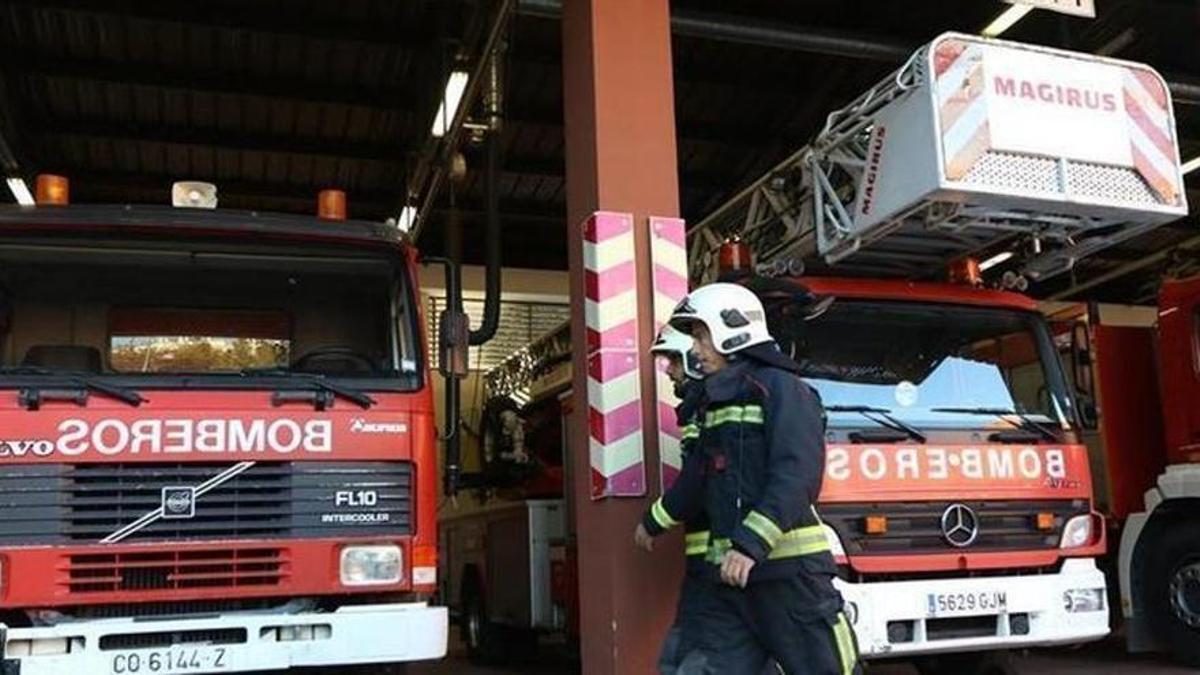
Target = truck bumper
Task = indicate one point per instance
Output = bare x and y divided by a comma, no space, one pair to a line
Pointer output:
233,642
901,618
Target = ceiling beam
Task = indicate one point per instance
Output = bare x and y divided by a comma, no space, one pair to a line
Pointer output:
388,97
744,30
231,139
384,98
252,17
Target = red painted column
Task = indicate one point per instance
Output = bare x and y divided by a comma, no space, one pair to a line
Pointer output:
621,157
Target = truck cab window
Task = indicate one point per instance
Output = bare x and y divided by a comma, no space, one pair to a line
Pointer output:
213,314
149,340
919,359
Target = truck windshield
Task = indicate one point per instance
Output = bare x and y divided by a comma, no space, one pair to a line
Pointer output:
144,314
928,364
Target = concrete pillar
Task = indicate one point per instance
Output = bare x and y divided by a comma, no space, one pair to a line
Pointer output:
620,156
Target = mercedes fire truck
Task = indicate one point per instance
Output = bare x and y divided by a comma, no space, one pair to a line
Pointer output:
958,493
217,442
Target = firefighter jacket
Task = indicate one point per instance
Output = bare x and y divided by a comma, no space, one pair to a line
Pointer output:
681,503
762,435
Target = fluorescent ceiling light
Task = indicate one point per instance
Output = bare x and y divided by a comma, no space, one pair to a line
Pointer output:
404,221
1190,165
995,260
21,192
1006,20
456,85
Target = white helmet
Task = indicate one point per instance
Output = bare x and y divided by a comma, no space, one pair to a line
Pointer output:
671,342
733,314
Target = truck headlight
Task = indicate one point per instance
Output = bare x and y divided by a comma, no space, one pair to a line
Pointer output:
1083,600
1077,532
371,565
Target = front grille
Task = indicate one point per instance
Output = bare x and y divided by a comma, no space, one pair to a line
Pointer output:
174,570
221,636
915,527
161,610
85,503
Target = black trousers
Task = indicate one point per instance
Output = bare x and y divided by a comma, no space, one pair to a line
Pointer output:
682,638
794,622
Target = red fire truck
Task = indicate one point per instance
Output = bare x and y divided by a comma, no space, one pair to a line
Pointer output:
1144,369
958,491
218,445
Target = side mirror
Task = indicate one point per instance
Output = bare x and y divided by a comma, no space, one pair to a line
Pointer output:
1081,360
454,331
1089,416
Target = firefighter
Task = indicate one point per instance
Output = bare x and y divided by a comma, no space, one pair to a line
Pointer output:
762,437
669,509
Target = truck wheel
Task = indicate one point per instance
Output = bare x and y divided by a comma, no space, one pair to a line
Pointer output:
971,663
1172,585
484,644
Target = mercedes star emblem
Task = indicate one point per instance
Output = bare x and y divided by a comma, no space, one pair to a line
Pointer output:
960,525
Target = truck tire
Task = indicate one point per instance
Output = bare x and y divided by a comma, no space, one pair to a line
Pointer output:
485,645
969,663
1171,582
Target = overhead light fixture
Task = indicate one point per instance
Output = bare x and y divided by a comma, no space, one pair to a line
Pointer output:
1006,20
408,216
20,192
456,86
1190,166
995,260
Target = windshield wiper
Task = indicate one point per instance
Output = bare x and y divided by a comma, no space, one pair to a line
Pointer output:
884,419
80,379
318,381
1004,414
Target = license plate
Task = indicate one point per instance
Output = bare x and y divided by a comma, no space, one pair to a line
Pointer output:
966,603
170,660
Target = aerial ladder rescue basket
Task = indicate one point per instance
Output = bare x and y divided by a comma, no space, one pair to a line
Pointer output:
972,146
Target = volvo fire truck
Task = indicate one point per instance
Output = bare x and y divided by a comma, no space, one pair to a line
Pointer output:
958,494
218,447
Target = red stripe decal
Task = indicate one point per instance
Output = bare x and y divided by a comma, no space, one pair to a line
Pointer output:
1162,186
1152,85
1155,133
670,229
616,424
669,282
960,164
961,101
615,280
602,226
631,481
946,54
608,365
621,336
599,484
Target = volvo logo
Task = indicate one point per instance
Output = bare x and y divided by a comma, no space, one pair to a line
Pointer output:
960,525
178,502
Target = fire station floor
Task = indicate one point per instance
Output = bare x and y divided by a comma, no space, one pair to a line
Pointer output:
1106,657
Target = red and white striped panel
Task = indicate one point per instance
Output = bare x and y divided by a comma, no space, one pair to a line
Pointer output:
668,255
614,382
962,107
1151,133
